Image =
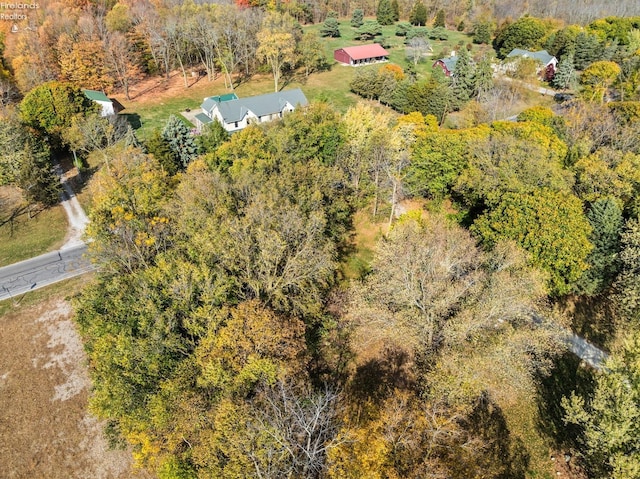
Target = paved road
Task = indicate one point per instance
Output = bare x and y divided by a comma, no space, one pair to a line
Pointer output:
49,268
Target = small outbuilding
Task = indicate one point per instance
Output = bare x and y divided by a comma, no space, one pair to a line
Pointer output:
448,65
361,55
101,99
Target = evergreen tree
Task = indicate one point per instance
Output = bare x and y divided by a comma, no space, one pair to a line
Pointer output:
368,30
159,147
418,14
464,84
565,77
180,140
482,32
588,50
605,217
440,20
330,28
358,18
483,76
384,14
526,32
36,177
609,419
627,286
396,10
402,29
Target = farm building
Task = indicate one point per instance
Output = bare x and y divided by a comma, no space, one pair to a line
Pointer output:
237,113
101,99
361,55
448,65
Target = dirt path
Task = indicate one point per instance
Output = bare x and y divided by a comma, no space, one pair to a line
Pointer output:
78,219
45,427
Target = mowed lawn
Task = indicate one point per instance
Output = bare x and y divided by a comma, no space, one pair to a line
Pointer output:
25,237
151,113
151,109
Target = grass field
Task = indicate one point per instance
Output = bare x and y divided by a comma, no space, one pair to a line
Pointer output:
44,388
150,108
24,237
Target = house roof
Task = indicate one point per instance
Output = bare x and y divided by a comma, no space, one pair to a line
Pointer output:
204,119
211,101
96,95
261,105
362,52
542,56
449,63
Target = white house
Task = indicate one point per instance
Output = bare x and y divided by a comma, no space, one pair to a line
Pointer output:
101,99
237,113
548,62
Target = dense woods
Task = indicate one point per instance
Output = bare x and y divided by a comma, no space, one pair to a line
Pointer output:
229,334
225,342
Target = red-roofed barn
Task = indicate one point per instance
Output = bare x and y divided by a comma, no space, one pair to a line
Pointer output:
361,55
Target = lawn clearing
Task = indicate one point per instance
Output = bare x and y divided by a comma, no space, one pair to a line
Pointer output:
23,237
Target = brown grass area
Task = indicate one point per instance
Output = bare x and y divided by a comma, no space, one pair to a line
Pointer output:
45,428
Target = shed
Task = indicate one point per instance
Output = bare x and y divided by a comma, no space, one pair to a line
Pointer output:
361,55
101,99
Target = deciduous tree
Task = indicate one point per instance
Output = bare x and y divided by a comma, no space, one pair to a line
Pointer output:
551,226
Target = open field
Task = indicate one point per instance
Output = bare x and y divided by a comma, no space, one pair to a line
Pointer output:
46,429
155,99
397,50
24,237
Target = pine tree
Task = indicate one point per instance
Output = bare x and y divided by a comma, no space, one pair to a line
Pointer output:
396,10
605,217
440,20
418,14
358,18
565,77
482,32
180,140
609,418
464,77
627,286
483,76
330,28
159,147
384,15
36,177
588,50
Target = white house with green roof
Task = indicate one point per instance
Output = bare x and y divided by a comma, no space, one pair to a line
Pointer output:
237,113
101,99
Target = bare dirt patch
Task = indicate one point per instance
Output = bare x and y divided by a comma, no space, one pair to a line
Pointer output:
45,428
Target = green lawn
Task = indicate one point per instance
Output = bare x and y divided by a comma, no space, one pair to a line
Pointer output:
397,52
26,237
331,85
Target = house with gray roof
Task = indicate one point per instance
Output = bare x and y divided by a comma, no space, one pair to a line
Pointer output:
237,113
548,63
